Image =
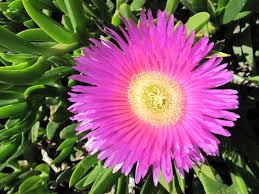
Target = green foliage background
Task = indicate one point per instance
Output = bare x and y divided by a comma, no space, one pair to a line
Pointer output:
39,151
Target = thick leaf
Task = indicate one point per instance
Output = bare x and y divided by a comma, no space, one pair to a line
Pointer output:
44,169
35,34
11,123
122,185
242,14
8,98
26,75
198,21
104,182
68,131
238,183
162,181
208,179
254,78
232,9
67,143
10,110
51,129
171,6
61,4
126,12
222,4
20,146
116,20
81,169
179,181
35,131
137,4
247,47
20,66
211,8
63,155
23,124
77,17
67,23
148,186
13,42
6,150
31,184
7,179
49,26
92,176
16,59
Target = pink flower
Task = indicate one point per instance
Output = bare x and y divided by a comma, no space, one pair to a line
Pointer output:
152,99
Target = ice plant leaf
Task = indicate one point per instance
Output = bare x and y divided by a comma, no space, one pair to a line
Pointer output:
63,155
254,78
35,34
148,186
179,182
18,128
68,131
16,59
81,169
238,182
126,12
35,132
232,9
53,74
171,6
62,6
153,98
51,129
13,42
25,75
6,150
67,143
12,109
222,4
30,185
122,185
137,4
76,15
48,25
197,21
104,181
208,179
116,20
211,8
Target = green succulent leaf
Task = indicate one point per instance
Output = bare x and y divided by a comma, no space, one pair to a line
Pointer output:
137,4
77,17
171,6
232,9
50,26
198,21
51,129
104,181
81,169
35,34
13,42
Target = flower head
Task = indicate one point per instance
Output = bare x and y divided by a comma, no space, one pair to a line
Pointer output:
153,98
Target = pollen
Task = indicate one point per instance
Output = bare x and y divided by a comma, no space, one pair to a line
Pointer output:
155,98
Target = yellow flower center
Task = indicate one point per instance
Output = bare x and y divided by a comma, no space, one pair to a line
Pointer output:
155,98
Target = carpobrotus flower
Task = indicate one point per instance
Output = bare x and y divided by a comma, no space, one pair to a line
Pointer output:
152,99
